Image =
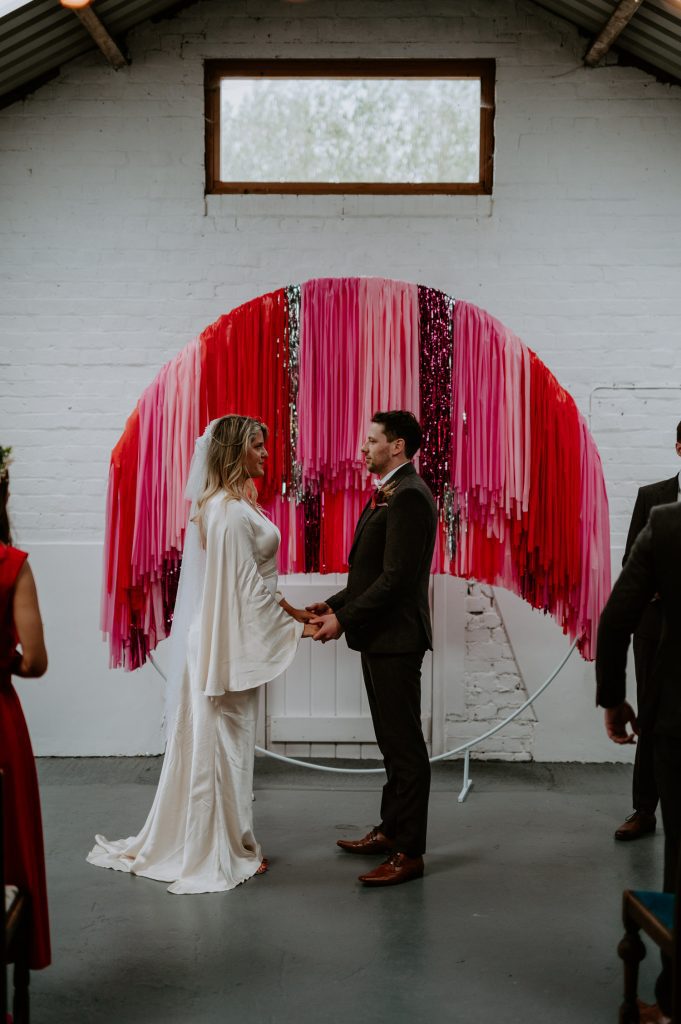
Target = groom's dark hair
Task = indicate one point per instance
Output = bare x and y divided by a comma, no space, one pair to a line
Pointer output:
400,423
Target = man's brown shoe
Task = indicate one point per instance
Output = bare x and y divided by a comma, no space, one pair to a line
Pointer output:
397,869
373,842
650,1013
637,824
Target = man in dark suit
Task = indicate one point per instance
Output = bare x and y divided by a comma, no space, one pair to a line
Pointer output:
384,613
646,639
653,568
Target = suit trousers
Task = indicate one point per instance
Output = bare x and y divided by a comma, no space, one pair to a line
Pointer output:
667,751
644,787
393,685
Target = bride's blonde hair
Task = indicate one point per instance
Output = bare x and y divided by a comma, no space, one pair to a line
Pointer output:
226,462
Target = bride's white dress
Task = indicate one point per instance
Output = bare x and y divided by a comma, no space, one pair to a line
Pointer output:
199,832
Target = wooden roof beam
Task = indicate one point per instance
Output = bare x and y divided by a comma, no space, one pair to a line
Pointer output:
99,34
617,22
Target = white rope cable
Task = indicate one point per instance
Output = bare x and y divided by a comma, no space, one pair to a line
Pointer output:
440,757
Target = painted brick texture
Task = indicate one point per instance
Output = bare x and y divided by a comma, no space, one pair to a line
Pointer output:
112,259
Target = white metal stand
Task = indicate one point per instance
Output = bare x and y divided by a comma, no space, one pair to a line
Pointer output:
464,749
467,781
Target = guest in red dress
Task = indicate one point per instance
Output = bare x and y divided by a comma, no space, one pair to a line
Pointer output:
20,623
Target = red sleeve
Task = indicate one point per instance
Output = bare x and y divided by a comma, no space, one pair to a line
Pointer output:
11,561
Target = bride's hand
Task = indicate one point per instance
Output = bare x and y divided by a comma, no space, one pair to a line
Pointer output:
301,615
309,631
320,608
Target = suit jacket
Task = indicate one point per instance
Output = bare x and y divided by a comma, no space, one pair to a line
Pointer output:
653,566
661,493
384,607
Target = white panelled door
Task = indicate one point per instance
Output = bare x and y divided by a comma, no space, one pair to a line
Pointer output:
318,707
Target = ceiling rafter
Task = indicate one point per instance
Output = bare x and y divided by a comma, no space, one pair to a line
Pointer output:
37,37
101,37
615,25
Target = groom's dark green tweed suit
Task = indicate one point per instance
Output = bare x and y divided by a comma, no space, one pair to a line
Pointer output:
385,614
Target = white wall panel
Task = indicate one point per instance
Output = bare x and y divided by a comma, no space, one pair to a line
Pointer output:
321,698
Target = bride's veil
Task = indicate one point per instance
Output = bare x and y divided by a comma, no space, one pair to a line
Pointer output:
190,586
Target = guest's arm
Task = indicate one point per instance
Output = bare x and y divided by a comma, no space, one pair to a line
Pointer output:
31,661
634,588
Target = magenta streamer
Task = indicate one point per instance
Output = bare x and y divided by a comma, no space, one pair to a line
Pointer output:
312,504
435,323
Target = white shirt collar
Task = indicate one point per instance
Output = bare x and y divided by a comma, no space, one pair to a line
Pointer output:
383,481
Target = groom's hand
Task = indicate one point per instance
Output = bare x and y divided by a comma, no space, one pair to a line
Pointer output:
321,608
329,628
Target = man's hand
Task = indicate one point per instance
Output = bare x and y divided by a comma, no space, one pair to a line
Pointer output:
616,720
328,627
319,609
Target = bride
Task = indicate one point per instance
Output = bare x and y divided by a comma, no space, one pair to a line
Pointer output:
232,632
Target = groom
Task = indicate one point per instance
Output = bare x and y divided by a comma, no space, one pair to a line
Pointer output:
384,613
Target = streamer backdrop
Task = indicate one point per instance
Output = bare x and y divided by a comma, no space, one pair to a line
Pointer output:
513,467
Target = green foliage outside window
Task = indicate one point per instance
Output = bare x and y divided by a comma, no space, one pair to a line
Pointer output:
350,130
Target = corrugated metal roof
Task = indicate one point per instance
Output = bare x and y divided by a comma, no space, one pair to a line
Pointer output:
653,35
38,37
41,35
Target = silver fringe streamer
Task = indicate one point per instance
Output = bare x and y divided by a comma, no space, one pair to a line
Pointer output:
450,504
293,300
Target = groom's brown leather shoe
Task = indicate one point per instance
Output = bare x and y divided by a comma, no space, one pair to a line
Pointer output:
650,1013
636,825
372,842
397,868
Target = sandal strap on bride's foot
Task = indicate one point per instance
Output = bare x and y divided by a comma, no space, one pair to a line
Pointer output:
264,865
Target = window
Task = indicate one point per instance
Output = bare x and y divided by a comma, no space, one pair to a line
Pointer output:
362,126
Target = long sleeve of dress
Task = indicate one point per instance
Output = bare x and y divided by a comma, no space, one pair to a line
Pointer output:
244,638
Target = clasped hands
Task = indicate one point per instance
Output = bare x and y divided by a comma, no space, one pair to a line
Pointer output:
320,622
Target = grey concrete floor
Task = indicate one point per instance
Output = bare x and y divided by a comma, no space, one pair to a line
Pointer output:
517,918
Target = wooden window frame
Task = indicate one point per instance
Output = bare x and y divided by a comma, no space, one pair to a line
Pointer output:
215,70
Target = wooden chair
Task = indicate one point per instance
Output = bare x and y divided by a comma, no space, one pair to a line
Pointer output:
658,914
16,937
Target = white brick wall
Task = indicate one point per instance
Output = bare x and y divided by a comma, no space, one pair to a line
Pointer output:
112,259
494,686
